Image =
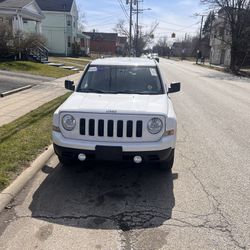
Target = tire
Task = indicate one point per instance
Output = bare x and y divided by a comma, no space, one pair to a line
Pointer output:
65,162
167,164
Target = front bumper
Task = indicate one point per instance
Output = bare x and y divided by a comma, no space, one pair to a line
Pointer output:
164,143
147,156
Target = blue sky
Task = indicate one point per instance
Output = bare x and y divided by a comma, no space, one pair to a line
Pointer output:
173,16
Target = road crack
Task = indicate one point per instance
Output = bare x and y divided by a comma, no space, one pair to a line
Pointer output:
224,226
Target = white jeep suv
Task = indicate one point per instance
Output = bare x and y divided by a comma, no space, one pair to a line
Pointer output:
119,111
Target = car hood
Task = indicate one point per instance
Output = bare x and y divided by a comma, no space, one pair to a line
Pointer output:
116,103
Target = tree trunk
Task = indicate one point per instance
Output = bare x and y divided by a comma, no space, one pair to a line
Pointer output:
233,66
235,53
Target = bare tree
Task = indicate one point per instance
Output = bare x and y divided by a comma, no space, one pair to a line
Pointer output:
6,40
144,39
161,47
14,46
121,28
236,15
81,21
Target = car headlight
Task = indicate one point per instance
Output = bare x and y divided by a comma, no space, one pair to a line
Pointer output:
155,126
68,122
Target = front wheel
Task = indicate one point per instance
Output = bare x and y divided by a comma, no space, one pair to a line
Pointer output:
65,162
167,164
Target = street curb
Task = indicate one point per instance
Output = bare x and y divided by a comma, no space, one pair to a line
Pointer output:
8,194
15,91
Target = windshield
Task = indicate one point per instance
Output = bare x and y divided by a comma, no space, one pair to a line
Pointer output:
121,80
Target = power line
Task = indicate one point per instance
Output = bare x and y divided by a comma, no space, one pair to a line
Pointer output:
97,18
123,9
190,26
179,30
103,23
164,21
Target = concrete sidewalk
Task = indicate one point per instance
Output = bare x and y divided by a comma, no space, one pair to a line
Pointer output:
17,105
211,66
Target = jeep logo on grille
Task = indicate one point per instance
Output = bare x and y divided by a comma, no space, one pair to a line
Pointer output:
111,111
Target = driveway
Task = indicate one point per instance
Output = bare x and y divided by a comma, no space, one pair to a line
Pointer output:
203,204
12,80
44,90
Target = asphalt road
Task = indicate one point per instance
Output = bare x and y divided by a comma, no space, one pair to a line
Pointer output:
203,204
13,80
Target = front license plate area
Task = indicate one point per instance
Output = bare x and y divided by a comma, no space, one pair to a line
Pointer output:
106,153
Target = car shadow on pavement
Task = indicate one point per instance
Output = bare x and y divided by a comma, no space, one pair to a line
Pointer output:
111,196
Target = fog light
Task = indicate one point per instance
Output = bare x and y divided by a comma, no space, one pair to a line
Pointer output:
138,159
82,157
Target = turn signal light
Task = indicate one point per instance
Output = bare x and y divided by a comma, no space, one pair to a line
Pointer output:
169,132
56,129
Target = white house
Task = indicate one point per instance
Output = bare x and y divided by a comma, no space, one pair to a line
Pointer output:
220,41
17,13
60,25
57,20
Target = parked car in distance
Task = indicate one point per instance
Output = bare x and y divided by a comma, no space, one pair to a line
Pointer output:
119,111
155,56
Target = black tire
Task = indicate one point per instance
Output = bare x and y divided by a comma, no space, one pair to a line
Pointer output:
65,162
167,164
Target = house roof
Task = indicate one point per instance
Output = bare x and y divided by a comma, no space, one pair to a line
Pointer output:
14,3
101,36
23,7
55,5
79,35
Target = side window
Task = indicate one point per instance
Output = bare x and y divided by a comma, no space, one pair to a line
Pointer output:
69,21
69,41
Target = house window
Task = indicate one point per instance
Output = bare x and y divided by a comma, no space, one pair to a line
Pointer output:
221,32
69,41
69,20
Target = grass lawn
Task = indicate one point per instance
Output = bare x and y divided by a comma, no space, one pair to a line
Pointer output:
22,140
35,68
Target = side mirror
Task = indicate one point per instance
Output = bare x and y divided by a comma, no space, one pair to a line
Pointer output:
174,87
69,85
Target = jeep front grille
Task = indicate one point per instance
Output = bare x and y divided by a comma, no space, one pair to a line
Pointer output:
111,128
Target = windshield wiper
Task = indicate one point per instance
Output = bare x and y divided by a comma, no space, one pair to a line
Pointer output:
135,92
125,92
93,91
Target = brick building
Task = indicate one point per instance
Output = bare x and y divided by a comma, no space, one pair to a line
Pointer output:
106,43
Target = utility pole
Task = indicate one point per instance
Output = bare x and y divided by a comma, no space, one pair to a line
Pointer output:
136,11
199,52
202,19
137,27
130,2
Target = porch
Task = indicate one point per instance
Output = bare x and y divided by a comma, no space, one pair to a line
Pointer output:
18,13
